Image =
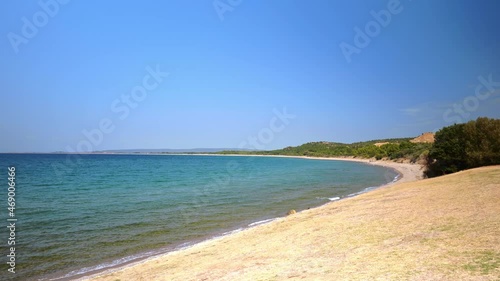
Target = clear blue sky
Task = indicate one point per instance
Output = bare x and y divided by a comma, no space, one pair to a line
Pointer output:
228,73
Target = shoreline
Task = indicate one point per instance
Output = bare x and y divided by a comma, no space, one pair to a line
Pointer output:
407,172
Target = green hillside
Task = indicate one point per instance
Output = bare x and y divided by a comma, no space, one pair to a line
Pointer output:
394,149
452,149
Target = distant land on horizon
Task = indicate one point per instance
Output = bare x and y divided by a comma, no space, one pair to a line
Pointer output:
169,150
142,150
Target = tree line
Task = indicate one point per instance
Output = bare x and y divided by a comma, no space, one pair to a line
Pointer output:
465,146
393,149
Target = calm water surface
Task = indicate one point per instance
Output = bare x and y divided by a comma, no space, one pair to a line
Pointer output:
79,214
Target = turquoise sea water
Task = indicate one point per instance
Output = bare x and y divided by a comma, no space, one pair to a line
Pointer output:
80,214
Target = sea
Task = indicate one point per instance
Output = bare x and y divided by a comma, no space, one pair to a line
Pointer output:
77,215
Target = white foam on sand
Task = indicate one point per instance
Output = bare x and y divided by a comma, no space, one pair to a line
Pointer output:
261,222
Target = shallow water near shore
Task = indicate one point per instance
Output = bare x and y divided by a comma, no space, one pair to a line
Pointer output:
79,214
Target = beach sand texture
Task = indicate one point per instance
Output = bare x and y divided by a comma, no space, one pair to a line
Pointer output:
446,228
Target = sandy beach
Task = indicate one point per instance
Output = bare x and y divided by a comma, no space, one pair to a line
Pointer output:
445,228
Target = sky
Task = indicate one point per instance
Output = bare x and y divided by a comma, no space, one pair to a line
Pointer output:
97,75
